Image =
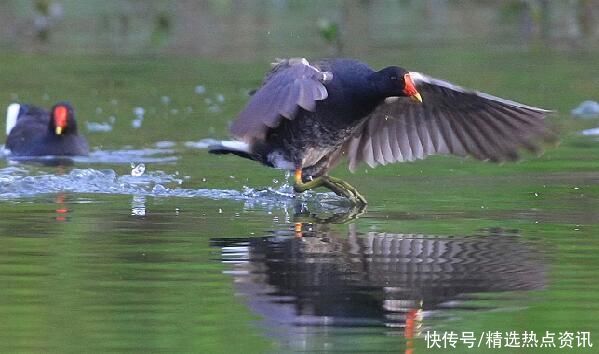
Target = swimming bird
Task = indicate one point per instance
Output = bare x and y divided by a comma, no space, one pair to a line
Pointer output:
307,116
33,131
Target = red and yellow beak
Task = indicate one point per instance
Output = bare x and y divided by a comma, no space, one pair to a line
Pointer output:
410,89
60,119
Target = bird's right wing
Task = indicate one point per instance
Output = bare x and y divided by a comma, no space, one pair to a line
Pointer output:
450,120
292,84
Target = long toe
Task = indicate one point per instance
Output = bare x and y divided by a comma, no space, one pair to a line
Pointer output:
348,191
344,189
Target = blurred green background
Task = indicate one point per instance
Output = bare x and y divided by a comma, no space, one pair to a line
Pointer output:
238,29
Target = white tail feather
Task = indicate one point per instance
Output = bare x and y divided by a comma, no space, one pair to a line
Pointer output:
223,144
235,145
12,114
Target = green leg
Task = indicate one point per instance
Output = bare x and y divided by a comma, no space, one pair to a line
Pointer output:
337,185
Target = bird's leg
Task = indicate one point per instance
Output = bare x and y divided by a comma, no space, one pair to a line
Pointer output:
339,186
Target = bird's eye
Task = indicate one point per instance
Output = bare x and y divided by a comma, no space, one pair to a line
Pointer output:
393,77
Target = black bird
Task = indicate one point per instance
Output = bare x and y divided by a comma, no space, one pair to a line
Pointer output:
307,116
33,131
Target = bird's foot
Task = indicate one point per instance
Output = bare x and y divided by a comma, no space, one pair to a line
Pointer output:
337,185
342,188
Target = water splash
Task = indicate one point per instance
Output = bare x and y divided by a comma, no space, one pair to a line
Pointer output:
139,113
137,170
16,183
200,89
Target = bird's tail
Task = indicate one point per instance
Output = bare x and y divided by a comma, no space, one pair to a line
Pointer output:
12,114
222,147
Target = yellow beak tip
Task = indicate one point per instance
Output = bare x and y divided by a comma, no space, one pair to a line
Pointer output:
58,130
416,97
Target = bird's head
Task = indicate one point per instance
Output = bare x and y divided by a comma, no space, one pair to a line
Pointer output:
62,119
394,81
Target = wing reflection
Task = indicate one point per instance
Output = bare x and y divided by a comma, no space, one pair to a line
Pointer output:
374,279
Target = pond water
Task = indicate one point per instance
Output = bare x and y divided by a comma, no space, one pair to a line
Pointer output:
200,253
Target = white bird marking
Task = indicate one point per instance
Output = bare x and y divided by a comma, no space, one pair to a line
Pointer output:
12,114
236,145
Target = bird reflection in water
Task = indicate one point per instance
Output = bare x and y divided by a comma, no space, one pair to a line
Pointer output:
388,280
61,209
62,212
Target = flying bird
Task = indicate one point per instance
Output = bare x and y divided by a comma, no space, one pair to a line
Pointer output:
307,116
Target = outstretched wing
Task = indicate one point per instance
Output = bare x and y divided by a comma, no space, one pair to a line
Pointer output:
450,120
293,83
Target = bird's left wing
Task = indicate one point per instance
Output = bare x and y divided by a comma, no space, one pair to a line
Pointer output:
292,84
450,120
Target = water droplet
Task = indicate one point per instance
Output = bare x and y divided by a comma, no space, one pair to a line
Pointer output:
200,89
220,98
136,123
139,111
98,127
138,170
220,211
165,100
214,109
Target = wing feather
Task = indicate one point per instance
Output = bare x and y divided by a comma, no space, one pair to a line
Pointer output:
451,120
292,84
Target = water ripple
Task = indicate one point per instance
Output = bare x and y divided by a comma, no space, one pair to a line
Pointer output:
148,155
160,154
